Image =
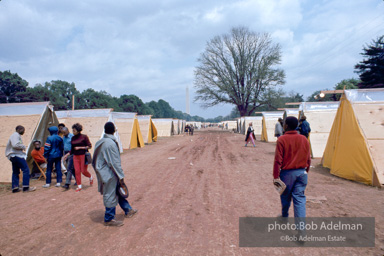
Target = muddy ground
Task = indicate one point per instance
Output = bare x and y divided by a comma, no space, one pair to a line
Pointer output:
189,205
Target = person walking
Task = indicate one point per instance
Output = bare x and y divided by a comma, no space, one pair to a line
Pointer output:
304,127
79,146
107,165
291,164
53,152
67,137
250,135
14,151
279,128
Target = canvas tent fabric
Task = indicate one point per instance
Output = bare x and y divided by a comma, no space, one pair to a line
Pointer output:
147,128
355,145
164,126
291,112
230,125
256,123
268,125
238,129
320,116
92,120
36,117
129,129
175,126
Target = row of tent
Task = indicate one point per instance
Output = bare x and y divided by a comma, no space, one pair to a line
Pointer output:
348,135
132,130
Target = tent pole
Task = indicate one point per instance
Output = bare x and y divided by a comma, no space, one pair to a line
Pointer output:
73,102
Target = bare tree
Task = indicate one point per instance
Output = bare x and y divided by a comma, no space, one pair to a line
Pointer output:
237,68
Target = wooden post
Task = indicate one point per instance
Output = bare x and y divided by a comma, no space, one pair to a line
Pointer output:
73,102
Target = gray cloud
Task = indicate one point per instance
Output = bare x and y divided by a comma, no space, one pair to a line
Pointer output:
150,48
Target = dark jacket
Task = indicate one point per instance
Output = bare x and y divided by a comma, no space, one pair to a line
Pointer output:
80,140
304,128
249,131
54,146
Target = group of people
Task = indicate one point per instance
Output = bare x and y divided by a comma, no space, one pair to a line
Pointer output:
62,145
303,127
189,129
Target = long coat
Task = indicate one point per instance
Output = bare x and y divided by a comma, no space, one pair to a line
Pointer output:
249,131
107,165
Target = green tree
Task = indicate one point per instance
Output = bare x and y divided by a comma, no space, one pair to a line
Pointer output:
36,94
91,99
62,92
237,68
371,68
348,84
10,85
132,103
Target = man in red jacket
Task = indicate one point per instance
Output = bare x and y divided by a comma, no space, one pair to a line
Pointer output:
292,162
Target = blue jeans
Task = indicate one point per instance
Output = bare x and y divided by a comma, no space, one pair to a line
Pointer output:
296,182
57,162
70,170
111,212
17,164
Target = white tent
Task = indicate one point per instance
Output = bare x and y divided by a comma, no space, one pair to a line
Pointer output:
269,121
164,126
257,123
36,118
92,120
320,116
291,112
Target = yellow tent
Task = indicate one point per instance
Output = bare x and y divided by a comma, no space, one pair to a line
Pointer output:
129,129
148,129
268,125
355,145
320,116
92,120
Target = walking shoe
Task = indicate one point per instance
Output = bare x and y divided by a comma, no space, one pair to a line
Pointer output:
15,190
29,189
46,185
66,186
78,189
131,213
114,223
91,181
58,185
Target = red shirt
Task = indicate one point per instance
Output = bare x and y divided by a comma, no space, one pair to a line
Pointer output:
292,152
38,155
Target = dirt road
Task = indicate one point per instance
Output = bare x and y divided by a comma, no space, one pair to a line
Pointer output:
189,205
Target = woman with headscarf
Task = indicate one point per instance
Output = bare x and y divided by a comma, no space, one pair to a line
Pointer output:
250,136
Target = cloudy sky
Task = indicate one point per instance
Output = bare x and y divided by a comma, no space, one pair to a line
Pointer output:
150,47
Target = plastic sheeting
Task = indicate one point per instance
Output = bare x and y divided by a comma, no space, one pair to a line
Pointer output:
23,109
104,112
365,95
320,106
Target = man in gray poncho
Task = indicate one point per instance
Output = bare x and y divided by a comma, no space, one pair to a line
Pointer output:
107,164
